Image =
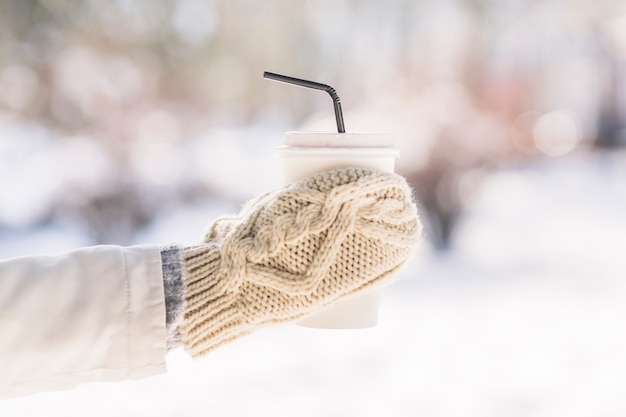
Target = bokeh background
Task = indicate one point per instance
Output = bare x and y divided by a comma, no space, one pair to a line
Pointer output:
126,122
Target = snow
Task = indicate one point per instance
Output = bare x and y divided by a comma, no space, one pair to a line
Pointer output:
524,316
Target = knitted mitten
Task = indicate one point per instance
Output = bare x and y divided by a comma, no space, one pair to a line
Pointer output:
294,251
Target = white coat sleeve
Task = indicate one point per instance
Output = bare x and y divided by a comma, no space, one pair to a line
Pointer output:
94,314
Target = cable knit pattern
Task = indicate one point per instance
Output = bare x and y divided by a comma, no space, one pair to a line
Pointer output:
294,251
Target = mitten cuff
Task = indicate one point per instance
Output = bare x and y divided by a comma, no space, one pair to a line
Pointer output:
212,311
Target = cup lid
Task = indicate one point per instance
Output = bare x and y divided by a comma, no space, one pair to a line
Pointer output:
337,152
338,140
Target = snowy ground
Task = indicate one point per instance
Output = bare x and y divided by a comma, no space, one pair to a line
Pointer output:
524,317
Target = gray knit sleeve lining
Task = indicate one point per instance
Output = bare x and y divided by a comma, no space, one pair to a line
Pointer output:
173,267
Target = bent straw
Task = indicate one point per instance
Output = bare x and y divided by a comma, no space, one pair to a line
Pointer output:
317,86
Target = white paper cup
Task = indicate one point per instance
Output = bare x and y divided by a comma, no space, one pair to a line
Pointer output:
307,153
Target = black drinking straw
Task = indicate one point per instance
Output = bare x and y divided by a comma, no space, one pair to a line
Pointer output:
317,86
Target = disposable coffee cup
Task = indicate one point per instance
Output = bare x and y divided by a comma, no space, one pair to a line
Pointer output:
307,153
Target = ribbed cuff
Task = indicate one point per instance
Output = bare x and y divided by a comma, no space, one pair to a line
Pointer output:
212,312
173,267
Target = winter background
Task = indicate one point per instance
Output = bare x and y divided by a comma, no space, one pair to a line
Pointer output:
125,122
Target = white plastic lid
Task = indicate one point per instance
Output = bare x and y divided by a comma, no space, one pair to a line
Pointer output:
338,140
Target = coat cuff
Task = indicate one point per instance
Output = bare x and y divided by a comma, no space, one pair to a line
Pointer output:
92,315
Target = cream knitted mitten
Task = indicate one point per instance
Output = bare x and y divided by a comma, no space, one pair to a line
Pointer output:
294,251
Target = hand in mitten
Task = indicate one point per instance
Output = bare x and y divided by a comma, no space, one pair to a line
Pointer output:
294,251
